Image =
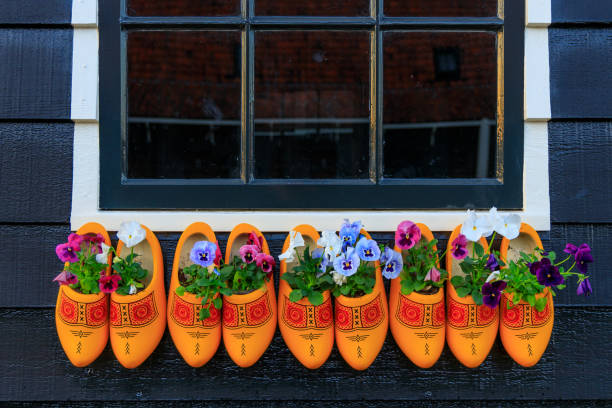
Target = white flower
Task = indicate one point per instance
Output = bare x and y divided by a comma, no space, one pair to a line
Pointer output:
339,279
331,242
488,222
493,276
509,226
477,226
103,257
295,240
131,233
132,289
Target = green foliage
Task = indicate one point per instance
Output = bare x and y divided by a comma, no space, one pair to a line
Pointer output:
419,260
131,272
87,270
243,277
206,284
308,280
476,273
360,283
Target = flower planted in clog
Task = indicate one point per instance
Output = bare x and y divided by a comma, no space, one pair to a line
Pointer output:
194,298
361,317
138,306
81,312
416,297
530,279
249,304
304,301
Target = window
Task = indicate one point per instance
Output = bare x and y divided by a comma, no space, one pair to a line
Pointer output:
270,104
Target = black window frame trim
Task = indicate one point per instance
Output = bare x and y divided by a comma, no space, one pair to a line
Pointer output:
376,193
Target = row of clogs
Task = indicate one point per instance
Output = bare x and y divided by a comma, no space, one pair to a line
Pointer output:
420,324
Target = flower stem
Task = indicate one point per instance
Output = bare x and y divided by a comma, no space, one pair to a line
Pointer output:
563,261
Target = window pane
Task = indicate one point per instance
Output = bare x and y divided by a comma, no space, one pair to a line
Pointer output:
208,8
441,8
183,104
312,8
312,96
440,104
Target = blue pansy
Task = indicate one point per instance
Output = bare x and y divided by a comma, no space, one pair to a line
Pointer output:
347,263
368,250
349,232
203,253
393,263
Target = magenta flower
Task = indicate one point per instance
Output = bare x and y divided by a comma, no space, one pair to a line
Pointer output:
248,253
407,235
75,239
584,288
109,284
265,262
68,252
66,278
570,249
459,247
491,293
433,275
255,240
95,241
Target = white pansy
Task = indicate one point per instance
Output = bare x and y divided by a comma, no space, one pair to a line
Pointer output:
509,226
132,289
339,279
487,222
331,242
131,233
469,228
295,240
103,257
493,276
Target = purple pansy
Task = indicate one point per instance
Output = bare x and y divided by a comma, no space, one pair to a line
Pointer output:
491,293
547,273
584,288
407,235
492,263
349,232
347,263
248,253
368,250
459,247
570,249
265,262
583,258
203,253
393,263
66,278
68,252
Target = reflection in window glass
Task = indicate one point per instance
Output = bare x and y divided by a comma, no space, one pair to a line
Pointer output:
209,8
441,8
440,104
311,104
183,104
312,8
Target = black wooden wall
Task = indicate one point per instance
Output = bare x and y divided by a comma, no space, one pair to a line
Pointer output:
35,194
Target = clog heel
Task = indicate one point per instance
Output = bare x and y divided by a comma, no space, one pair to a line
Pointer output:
524,331
470,329
307,330
138,321
249,320
361,323
82,320
196,340
417,320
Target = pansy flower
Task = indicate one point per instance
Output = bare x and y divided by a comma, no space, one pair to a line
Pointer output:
68,252
203,253
508,226
295,240
491,293
432,275
492,263
393,263
475,227
331,242
583,258
547,274
339,279
218,256
95,241
407,235
66,278
131,233
248,253
255,240
102,257
584,288
265,262
368,250
349,232
459,247
347,263
109,284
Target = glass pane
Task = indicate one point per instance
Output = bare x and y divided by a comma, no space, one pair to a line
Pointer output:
440,104
312,96
312,8
441,8
209,8
183,104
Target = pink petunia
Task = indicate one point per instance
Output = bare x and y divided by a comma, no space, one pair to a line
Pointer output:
66,278
265,262
109,284
407,235
248,253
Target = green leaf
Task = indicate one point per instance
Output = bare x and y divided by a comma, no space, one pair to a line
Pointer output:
296,295
217,303
316,298
457,281
477,296
530,299
463,291
540,304
180,290
204,313
478,249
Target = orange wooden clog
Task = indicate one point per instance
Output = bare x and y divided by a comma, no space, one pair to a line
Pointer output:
361,323
82,320
470,329
138,321
307,330
524,331
196,340
249,320
418,320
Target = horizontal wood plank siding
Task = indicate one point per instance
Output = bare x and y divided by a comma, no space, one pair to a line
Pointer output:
581,11
35,73
33,12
